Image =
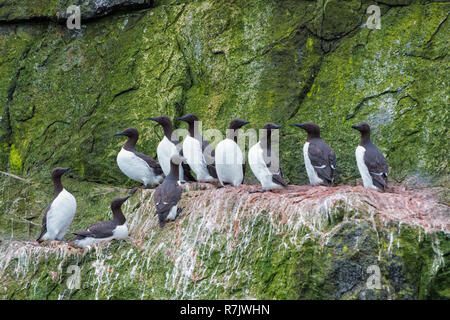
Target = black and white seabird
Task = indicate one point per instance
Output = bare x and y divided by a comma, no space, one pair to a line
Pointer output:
229,160
168,147
198,153
264,164
320,159
59,214
136,165
371,162
105,230
168,193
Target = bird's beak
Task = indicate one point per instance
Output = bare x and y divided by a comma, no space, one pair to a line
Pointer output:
246,122
182,118
355,127
118,134
300,125
125,199
66,169
277,127
154,119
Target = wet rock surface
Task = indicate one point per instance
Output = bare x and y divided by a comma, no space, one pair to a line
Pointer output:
300,243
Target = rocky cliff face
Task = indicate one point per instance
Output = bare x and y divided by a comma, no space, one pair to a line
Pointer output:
63,93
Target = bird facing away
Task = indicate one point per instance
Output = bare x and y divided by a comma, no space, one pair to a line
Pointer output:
229,160
169,146
264,163
59,214
371,162
198,153
168,194
135,165
320,159
105,230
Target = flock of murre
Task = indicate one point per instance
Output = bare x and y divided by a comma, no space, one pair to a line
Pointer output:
225,164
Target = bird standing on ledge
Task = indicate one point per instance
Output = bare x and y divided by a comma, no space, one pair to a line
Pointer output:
135,165
59,214
371,162
264,163
320,159
168,193
230,162
198,152
168,147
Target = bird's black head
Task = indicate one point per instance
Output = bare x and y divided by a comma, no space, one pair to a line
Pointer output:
271,126
130,132
117,202
362,127
309,127
238,123
58,172
189,118
177,159
162,120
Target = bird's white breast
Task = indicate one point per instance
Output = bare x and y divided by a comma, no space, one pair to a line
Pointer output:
172,213
134,167
60,215
362,167
120,232
192,151
166,149
259,167
229,160
312,174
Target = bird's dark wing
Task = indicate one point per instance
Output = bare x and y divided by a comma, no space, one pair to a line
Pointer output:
323,159
100,230
209,158
278,178
187,170
151,162
44,224
166,196
377,165
188,173
212,170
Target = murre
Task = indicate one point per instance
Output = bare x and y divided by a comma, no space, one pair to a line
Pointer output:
168,193
59,214
198,153
229,160
371,162
105,230
135,165
264,163
168,147
320,159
